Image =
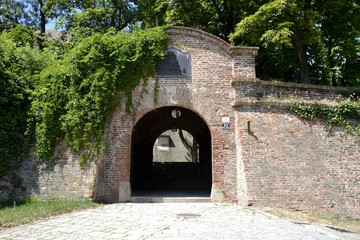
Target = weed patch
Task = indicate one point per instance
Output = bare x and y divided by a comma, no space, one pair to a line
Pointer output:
35,209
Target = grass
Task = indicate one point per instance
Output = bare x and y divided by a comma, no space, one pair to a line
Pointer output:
35,209
317,218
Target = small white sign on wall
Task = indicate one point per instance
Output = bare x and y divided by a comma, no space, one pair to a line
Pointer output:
225,123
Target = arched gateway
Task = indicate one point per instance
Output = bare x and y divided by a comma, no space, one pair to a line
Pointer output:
195,79
172,174
251,148
244,145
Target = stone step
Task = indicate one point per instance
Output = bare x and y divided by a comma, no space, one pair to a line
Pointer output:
158,199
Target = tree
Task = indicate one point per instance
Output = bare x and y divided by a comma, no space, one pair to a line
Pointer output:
151,13
218,17
30,13
12,13
281,22
87,17
315,29
20,64
340,28
39,14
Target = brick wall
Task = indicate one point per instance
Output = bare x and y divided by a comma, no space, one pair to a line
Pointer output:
271,164
61,179
290,162
207,92
297,164
279,160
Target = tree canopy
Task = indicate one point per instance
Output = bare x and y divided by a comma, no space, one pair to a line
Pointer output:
54,90
307,41
66,91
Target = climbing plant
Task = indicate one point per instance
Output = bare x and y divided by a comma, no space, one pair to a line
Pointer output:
345,115
20,64
75,96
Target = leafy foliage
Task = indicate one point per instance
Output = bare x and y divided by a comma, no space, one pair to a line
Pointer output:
67,91
346,115
218,17
322,34
339,32
272,23
71,88
86,17
20,63
12,13
281,23
308,41
75,96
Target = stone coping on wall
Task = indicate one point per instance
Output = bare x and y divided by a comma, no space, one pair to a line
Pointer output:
294,94
225,46
298,86
244,51
281,104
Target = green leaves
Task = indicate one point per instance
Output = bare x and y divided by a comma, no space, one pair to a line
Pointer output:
19,65
269,20
346,115
66,92
280,35
75,95
322,34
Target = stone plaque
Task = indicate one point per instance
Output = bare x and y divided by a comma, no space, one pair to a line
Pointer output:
175,64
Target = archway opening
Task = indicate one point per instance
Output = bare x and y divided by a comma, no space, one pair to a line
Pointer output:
171,153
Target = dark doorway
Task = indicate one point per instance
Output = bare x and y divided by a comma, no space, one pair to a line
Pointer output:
155,169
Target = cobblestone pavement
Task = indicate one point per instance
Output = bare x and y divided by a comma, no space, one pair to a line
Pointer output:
171,221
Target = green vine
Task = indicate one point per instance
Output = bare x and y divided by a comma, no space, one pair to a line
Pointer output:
20,63
75,96
345,115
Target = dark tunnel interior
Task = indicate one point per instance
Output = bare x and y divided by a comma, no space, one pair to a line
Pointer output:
178,177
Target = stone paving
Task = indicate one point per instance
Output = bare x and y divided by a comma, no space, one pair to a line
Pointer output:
171,221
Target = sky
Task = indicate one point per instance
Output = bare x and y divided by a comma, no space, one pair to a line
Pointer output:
50,25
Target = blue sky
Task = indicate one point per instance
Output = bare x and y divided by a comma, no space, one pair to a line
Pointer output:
50,25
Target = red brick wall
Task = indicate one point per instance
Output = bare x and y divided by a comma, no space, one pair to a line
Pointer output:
297,164
280,160
207,92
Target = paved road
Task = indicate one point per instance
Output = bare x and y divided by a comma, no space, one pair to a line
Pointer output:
171,221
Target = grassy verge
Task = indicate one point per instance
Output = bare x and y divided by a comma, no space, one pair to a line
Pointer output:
317,218
35,209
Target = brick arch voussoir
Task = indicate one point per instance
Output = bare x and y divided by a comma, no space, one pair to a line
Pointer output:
180,97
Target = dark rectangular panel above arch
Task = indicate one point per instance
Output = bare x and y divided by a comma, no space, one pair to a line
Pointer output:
176,64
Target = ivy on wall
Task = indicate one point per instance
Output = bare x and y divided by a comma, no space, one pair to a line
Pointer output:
20,63
345,115
75,96
67,91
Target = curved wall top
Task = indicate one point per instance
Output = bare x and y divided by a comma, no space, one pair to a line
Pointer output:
226,47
